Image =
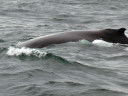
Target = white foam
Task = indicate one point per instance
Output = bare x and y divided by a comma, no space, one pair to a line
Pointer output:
102,43
12,51
126,49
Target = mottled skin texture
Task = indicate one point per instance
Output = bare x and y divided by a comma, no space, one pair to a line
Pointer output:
109,35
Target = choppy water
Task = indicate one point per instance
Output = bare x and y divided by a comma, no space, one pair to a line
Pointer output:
70,69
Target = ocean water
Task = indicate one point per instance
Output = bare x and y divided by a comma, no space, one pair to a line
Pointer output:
70,69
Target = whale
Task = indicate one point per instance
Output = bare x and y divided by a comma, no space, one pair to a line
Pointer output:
108,35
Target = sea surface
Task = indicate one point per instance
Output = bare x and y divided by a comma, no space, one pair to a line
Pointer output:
70,69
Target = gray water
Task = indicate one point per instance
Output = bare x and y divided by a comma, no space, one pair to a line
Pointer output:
70,69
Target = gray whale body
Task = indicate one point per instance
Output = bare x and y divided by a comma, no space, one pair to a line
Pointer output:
108,35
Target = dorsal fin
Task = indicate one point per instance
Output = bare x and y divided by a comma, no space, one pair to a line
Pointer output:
121,30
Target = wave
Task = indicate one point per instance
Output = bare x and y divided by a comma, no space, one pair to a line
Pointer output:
31,89
16,10
28,73
13,51
23,53
100,92
1,41
2,49
69,83
29,53
34,89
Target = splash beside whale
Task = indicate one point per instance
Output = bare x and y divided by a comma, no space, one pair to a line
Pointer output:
108,35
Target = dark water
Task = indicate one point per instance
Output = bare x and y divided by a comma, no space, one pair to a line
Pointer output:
70,69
